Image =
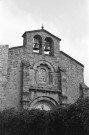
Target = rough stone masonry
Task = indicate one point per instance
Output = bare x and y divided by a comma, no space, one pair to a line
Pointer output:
38,74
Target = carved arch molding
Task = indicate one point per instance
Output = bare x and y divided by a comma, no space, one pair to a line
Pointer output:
44,72
43,103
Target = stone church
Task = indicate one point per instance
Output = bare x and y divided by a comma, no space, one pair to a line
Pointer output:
38,74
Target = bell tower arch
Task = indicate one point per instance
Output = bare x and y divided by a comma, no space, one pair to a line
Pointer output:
48,46
37,44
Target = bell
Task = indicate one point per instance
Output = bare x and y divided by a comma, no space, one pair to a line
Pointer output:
47,48
36,46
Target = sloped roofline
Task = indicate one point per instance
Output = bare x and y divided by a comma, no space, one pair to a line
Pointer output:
39,31
72,58
60,52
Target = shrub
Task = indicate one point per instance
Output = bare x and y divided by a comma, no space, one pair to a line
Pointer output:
70,120
55,123
22,123
78,118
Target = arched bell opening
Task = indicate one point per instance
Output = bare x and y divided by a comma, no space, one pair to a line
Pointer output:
37,44
48,46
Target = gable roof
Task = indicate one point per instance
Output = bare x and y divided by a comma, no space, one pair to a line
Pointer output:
43,31
71,58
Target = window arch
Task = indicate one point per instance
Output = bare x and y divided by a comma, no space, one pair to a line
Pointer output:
37,44
48,72
44,74
48,46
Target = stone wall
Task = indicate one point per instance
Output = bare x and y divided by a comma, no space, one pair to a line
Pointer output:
14,76
3,75
18,67
72,77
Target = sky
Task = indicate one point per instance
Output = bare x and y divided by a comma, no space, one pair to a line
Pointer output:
67,19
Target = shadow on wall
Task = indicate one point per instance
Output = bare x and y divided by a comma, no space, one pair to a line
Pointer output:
70,120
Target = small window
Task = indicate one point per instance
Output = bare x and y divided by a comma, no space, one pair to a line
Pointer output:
37,44
50,78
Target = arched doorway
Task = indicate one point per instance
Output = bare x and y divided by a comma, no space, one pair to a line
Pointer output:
43,103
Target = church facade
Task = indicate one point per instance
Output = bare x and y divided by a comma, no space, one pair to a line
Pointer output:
38,74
